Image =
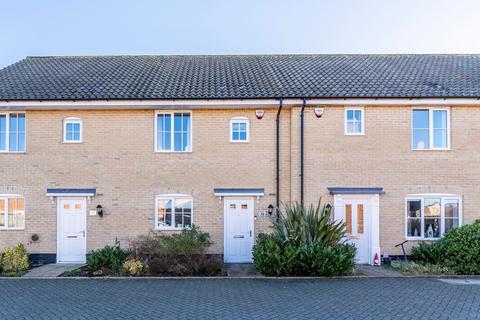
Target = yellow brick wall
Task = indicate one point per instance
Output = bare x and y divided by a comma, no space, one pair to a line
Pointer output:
383,157
117,157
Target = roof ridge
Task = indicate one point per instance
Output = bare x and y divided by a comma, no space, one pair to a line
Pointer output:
256,55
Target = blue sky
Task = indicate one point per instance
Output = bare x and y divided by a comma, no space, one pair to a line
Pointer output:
110,27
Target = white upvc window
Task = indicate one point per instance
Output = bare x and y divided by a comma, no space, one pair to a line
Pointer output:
12,132
12,212
429,217
239,129
354,121
431,129
173,131
173,211
72,130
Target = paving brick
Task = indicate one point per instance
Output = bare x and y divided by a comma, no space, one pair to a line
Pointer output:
386,298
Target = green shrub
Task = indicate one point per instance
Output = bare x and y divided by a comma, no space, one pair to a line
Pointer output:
188,242
462,249
314,259
108,258
182,254
304,242
134,267
15,259
429,252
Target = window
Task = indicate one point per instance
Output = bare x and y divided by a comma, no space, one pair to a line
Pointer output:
72,130
173,212
12,132
173,132
430,129
12,212
354,121
239,130
429,217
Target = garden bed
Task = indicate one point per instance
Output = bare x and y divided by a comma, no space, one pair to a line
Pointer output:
155,255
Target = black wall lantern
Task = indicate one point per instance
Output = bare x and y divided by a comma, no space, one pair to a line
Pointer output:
100,210
270,209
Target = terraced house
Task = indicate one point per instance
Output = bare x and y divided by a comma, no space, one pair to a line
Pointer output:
95,149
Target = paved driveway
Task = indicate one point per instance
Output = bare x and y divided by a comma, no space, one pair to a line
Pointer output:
374,298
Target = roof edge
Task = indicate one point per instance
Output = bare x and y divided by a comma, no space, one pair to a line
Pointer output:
224,103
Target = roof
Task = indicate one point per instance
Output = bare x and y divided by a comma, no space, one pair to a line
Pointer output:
241,77
338,190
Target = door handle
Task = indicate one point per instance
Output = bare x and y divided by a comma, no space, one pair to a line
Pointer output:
83,233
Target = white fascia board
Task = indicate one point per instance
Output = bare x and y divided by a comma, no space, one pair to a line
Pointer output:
239,194
55,194
219,103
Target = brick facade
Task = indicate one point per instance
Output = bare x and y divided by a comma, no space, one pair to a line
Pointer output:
117,157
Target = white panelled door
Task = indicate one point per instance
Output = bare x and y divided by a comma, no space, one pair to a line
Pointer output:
72,214
238,230
357,223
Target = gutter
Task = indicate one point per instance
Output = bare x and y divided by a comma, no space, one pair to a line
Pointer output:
277,120
223,103
302,150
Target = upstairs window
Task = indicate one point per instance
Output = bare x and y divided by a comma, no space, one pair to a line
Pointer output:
430,129
239,130
354,121
173,132
72,130
12,132
173,212
429,217
12,212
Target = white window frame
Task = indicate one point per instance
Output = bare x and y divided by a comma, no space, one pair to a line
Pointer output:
171,197
430,129
72,121
172,113
6,197
240,120
362,119
7,132
421,198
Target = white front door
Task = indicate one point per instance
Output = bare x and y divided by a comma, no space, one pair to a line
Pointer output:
357,225
71,233
238,229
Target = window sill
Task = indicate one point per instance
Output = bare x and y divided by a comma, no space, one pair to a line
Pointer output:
157,151
170,229
13,152
72,142
11,229
432,149
421,239
240,142
354,134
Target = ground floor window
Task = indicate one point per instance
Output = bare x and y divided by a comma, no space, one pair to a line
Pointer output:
12,212
429,217
173,212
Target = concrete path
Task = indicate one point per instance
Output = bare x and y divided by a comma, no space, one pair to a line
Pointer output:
51,270
260,299
375,271
242,270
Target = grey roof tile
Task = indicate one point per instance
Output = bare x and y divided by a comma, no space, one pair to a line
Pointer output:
242,76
